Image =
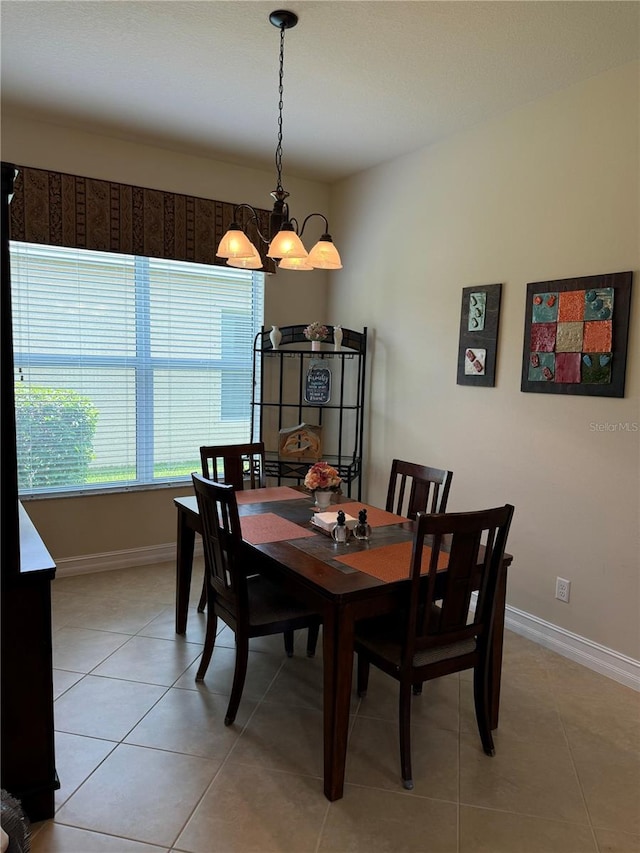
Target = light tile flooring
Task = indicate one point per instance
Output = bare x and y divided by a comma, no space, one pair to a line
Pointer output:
146,763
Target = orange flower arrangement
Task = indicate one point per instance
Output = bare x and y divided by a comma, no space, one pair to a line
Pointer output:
322,477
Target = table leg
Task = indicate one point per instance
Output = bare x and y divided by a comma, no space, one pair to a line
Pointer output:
495,668
337,633
184,564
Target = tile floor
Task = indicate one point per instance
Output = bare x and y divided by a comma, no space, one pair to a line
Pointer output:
146,763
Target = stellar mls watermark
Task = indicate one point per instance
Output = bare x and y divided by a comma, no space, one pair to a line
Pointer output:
615,426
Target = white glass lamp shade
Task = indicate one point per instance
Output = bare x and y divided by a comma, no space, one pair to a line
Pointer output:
235,244
252,263
286,244
324,255
295,264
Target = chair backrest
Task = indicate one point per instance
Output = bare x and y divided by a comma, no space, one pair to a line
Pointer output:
222,538
428,489
239,465
439,612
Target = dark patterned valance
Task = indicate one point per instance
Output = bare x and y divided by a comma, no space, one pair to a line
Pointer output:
84,213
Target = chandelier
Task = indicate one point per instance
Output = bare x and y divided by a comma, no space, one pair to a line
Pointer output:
284,238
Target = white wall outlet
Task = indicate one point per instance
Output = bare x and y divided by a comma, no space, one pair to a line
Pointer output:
563,589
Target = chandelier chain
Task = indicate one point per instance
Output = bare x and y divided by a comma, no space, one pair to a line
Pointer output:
284,231
280,106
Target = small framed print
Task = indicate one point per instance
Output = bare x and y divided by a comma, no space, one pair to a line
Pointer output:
575,335
475,361
479,319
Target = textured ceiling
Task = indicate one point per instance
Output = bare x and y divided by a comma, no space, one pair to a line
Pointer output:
364,81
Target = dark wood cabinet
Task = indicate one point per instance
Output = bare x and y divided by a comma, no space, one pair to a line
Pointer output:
28,754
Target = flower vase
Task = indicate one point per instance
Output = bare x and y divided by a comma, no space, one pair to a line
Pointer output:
323,499
337,337
315,346
275,336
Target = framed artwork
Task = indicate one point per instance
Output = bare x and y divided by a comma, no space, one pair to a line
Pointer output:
575,335
478,342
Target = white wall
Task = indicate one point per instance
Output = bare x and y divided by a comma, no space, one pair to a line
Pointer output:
546,192
73,527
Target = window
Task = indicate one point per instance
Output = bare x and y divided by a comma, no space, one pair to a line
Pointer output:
126,365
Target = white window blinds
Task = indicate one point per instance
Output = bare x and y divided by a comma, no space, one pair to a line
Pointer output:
126,365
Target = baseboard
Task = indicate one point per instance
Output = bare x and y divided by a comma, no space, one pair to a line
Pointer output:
90,563
599,658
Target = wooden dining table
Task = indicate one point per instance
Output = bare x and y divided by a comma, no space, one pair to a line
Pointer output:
342,582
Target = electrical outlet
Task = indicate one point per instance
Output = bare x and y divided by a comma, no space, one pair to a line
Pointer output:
563,589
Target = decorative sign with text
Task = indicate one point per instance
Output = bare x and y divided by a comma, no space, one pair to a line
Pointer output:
317,386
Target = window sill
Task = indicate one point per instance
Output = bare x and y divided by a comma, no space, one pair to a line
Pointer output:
105,490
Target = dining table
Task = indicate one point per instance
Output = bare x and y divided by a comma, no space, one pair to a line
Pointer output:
343,582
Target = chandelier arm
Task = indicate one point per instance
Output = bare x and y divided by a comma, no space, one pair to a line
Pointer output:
307,218
254,218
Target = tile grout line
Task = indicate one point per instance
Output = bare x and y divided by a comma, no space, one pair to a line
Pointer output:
571,756
226,758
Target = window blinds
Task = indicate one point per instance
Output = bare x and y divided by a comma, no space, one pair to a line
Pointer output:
126,365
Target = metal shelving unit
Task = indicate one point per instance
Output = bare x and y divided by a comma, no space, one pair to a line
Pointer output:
278,401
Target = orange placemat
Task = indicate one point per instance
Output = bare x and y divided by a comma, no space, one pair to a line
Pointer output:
276,493
269,527
390,562
376,517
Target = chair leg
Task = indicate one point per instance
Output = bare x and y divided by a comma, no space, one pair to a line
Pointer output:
404,716
363,674
242,656
481,700
288,643
209,643
203,595
312,639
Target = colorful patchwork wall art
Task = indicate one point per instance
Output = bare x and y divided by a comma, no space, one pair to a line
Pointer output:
575,335
479,319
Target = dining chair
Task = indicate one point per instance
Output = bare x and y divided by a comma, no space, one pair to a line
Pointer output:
241,465
428,489
248,603
439,632
415,485
237,464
